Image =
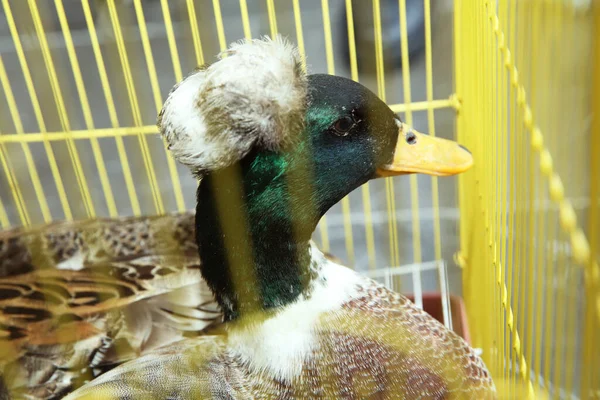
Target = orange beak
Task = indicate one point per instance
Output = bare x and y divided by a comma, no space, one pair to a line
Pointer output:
424,154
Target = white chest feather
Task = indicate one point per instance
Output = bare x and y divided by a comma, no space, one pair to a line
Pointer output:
280,345
74,263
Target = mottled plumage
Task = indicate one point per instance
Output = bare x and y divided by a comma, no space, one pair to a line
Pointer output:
367,343
77,298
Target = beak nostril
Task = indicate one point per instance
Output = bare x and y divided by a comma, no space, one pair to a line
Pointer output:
464,148
411,138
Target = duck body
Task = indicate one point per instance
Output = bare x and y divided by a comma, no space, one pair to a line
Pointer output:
347,338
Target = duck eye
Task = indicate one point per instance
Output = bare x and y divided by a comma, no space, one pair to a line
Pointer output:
343,125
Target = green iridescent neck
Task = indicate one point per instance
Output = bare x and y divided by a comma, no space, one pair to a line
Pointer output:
254,224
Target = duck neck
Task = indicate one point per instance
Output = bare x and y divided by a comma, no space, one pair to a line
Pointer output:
254,258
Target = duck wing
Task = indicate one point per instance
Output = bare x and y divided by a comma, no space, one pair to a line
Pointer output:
79,298
182,370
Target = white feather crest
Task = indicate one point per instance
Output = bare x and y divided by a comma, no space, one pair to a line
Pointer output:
255,94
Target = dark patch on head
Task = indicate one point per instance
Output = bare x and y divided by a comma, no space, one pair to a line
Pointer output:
341,162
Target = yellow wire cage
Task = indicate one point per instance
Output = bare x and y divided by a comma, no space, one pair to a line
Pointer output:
78,140
527,81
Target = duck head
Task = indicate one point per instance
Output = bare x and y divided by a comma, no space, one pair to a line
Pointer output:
275,149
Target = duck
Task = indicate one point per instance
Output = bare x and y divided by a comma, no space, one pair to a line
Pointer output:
273,149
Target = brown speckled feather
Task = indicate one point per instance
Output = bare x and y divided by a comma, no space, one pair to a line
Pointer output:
78,298
71,245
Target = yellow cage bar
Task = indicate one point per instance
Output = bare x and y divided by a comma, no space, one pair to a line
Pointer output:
523,75
520,86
